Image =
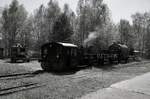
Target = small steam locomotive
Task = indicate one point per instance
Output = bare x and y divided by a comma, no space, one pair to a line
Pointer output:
57,56
18,52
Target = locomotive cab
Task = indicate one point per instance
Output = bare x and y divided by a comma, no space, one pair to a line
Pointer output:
56,56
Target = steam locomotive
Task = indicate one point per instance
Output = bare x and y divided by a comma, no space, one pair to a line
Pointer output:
18,52
57,56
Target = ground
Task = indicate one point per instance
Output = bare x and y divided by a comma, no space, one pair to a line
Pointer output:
62,85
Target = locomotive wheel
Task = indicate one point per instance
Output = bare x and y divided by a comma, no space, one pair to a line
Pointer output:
44,66
27,60
13,60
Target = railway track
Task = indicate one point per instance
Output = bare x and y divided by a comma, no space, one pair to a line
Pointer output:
32,85
16,76
20,87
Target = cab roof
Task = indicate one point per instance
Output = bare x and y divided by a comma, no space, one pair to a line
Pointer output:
123,45
67,44
61,44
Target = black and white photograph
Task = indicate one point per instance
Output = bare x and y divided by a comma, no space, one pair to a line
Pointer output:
74,49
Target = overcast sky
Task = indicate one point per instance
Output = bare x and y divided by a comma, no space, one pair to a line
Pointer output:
120,9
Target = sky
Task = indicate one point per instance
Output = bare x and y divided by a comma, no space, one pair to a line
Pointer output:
123,9
120,9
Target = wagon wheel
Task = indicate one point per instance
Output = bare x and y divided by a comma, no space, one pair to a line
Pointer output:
44,66
13,60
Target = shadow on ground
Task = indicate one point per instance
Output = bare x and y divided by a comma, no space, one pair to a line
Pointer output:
106,67
38,72
68,72
54,72
110,66
75,70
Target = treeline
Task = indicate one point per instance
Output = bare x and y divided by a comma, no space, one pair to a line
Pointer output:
137,34
91,25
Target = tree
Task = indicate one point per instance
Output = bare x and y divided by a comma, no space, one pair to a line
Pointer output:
70,14
62,30
13,19
52,14
5,27
82,22
140,27
93,15
25,37
125,32
148,41
43,22
40,27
